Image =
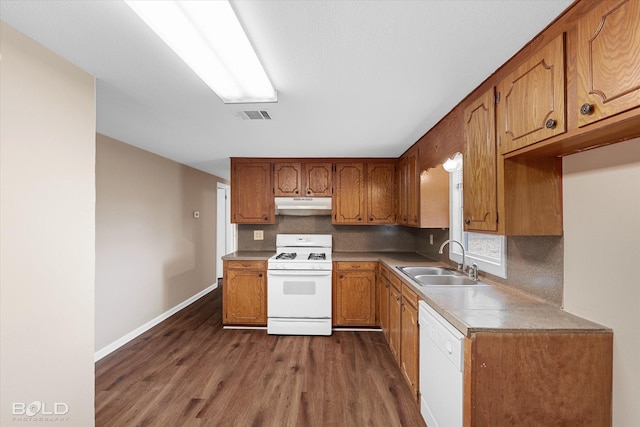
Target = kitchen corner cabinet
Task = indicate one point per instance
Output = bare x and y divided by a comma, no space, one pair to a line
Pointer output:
409,340
516,196
364,193
608,60
354,293
541,379
531,100
244,293
408,189
251,192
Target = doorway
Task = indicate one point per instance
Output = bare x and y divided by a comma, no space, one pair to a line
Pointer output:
225,230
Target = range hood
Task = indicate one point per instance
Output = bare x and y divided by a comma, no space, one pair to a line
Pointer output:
303,206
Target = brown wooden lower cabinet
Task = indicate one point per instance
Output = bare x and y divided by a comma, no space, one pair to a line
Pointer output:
244,293
384,289
395,317
538,379
410,338
354,294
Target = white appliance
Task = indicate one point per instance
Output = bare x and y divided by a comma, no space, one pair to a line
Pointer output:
441,369
299,285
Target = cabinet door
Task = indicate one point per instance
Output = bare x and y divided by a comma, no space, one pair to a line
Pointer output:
348,202
402,217
356,298
244,297
608,60
251,193
384,306
287,179
413,189
395,313
409,345
480,166
381,208
318,181
531,104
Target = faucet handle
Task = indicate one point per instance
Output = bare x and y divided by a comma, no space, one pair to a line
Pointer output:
473,271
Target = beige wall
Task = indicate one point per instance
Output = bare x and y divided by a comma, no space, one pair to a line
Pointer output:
151,253
47,195
602,258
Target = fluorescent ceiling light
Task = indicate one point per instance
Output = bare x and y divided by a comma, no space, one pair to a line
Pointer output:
208,37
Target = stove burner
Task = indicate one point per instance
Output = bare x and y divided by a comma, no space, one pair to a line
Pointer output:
317,256
286,255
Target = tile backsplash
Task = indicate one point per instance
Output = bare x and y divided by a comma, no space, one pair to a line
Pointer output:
534,264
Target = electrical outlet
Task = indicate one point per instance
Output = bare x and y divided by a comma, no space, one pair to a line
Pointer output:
431,239
258,234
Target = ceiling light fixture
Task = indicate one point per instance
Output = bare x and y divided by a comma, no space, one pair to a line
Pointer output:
209,38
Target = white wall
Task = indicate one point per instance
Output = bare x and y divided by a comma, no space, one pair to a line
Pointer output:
602,258
151,253
47,196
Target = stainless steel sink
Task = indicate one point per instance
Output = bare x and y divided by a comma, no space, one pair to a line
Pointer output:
426,280
431,271
438,276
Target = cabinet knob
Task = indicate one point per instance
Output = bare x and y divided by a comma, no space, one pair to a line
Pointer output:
370,218
359,219
342,276
398,299
550,124
259,274
467,221
265,217
296,191
308,192
586,109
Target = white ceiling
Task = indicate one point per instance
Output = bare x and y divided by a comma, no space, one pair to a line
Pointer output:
354,78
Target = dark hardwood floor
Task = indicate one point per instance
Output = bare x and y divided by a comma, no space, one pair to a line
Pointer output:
188,371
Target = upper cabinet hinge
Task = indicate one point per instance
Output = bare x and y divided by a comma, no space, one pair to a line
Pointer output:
497,218
497,98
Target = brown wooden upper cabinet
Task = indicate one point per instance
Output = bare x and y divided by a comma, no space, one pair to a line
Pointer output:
251,192
409,189
364,193
531,100
608,60
302,179
480,165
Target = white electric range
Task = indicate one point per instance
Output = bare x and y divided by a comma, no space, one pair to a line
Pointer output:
299,285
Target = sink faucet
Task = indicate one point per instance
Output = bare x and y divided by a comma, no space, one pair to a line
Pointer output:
461,247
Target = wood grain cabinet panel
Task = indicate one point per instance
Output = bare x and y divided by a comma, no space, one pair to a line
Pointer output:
348,201
408,189
354,294
384,287
531,100
608,60
480,165
287,179
409,341
251,192
318,179
395,318
381,182
244,297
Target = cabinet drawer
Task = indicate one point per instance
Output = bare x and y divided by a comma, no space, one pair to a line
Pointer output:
257,265
344,265
395,281
409,296
384,271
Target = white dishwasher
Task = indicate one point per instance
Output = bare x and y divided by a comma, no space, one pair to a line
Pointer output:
441,369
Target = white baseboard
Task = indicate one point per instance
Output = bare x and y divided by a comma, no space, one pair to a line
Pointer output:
150,324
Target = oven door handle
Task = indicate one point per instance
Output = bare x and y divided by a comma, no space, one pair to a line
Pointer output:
305,273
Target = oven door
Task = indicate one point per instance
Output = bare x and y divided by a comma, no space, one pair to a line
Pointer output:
302,294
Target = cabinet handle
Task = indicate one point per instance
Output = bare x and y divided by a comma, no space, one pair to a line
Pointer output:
586,109
467,221
550,124
259,274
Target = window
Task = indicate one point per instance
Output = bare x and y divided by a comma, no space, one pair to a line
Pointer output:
486,250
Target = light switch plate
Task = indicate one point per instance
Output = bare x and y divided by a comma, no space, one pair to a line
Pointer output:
258,234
